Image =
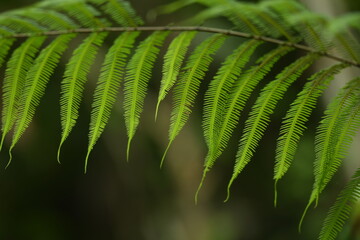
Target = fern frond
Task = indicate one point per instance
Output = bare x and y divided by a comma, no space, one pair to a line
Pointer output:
120,11
84,14
187,88
259,117
108,85
311,27
219,90
294,122
5,44
18,25
333,136
35,84
173,60
341,210
73,83
138,74
52,20
240,93
17,67
240,15
273,24
346,43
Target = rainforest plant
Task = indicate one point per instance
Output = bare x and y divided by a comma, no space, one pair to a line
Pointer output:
33,41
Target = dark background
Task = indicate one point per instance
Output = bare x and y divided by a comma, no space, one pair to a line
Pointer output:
41,199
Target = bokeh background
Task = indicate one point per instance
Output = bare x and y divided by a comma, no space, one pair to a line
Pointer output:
115,200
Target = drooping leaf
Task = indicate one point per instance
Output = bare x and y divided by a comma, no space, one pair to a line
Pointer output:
264,106
240,93
17,67
219,90
173,60
35,84
138,74
294,122
333,138
342,209
108,85
120,11
186,89
72,85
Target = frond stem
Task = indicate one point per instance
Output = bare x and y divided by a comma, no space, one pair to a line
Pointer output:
187,28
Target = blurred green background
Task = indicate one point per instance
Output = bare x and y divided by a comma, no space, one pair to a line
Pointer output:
40,199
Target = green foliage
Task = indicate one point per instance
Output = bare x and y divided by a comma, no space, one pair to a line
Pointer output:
33,41
137,76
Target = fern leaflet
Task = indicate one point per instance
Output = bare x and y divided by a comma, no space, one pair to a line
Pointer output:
235,103
173,60
331,135
341,210
35,84
294,122
120,11
220,87
333,138
108,85
17,67
138,74
188,85
259,116
73,83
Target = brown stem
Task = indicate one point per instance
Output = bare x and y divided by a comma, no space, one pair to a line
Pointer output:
188,28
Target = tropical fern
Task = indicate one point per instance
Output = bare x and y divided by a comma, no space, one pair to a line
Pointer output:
294,121
188,86
34,39
74,80
137,76
173,60
108,85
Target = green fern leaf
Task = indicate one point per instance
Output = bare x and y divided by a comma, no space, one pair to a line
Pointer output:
5,44
120,11
17,68
35,84
138,74
108,85
294,122
240,93
311,27
342,209
349,46
260,115
84,14
52,20
332,137
272,24
18,25
173,60
219,90
188,85
239,15
73,83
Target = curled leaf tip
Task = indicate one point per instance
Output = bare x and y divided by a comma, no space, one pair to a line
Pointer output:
200,185
165,153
